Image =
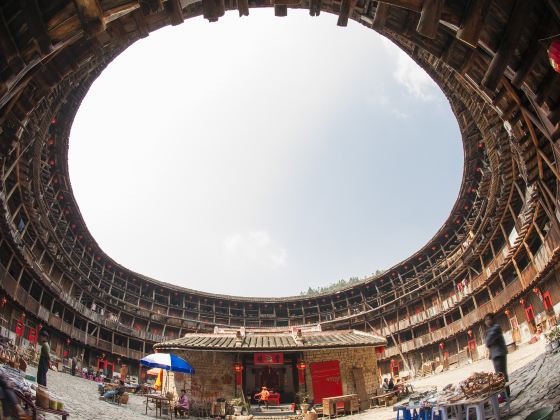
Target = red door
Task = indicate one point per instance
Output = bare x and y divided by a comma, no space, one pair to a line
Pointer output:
529,313
326,380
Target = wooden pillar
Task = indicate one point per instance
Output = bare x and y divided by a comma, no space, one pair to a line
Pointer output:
429,18
472,22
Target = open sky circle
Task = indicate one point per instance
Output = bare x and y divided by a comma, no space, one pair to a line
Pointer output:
262,156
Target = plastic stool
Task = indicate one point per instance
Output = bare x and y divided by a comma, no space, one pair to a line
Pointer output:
439,413
479,410
405,412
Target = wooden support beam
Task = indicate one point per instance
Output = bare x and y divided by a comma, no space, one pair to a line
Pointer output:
91,16
529,125
151,6
213,9
472,22
314,7
143,30
346,8
527,62
36,26
280,10
414,5
512,32
9,48
554,115
429,18
243,7
545,87
119,11
381,13
175,11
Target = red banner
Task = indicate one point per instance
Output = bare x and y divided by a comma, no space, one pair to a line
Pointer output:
32,337
269,359
19,328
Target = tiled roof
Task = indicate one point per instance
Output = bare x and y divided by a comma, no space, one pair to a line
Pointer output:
273,340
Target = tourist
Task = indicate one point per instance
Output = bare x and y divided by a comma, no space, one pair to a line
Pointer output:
124,372
385,385
391,384
118,391
496,346
74,363
182,406
44,358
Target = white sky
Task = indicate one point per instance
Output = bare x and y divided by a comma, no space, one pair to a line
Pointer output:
260,155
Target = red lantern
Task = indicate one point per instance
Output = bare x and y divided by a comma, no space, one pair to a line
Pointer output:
507,312
554,55
441,345
537,291
3,301
469,332
53,120
238,369
379,350
522,301
301,371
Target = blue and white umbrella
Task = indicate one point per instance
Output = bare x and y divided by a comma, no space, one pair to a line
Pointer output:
168,362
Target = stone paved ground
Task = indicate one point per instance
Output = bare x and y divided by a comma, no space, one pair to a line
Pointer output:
535,376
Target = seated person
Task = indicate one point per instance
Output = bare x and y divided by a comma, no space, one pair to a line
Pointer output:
182,406
118,391
385,385
264,395
391,384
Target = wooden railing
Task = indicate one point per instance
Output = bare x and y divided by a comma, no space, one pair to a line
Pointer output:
543,258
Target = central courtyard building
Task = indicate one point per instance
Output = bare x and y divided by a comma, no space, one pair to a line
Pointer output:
288,361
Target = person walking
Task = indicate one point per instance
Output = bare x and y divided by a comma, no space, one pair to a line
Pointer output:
496,344
44,358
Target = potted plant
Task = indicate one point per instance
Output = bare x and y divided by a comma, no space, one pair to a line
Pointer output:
237,404
303,400
553,338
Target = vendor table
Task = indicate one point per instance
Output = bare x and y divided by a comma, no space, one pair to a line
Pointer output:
461,409
378,399
160,401
351,404
35,408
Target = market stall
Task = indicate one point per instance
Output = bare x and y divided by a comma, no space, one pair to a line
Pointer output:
478,393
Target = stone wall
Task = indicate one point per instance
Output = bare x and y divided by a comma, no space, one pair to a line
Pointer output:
364,358
213,377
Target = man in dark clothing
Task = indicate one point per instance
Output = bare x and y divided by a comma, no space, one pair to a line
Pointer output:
497,346
74,363
44,358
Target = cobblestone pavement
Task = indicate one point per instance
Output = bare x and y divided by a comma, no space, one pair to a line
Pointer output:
81,400
535,376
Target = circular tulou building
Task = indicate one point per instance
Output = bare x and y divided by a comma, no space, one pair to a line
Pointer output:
497,252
